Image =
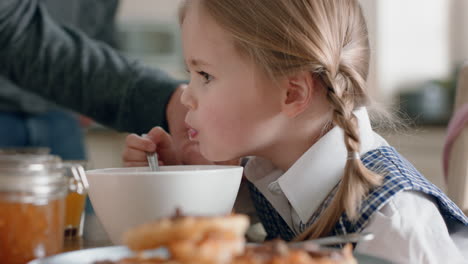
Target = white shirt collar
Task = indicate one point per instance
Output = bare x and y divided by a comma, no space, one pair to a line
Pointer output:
307,183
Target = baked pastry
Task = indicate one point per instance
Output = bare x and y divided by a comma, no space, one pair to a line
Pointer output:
218,240
191,239
278,252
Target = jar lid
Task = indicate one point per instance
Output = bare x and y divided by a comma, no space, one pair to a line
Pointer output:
29,176
28,161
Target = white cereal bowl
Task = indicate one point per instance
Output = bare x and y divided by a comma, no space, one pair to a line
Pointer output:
125,197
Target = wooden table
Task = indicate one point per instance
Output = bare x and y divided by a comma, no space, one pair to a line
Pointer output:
93,236
80,243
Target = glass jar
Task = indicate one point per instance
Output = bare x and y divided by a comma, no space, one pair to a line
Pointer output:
32,205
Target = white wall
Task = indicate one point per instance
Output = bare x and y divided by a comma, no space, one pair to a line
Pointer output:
413,43
459,30
148,10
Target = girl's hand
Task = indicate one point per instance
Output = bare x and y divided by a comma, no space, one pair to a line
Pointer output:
157,140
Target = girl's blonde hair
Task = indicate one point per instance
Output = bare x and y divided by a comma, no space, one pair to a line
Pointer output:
328,38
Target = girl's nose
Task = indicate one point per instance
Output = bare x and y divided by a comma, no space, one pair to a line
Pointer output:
187,98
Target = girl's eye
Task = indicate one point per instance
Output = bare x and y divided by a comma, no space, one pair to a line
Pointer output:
206,76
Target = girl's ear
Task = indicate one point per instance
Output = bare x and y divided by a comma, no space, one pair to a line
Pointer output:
298,93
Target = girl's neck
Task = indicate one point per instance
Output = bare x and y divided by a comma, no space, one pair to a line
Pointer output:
296,141
297,133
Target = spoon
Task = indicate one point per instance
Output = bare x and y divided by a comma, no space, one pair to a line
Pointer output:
319,245
334,240
152,158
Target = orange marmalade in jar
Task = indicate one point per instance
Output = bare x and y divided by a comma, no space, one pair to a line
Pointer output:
32,206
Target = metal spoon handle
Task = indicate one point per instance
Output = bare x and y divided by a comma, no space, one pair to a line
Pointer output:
334,240
152,158
153,161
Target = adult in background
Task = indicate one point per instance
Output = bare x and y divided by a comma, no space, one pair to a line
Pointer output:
66,66
26,119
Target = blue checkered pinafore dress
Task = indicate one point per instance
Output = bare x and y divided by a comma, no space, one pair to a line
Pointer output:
399,175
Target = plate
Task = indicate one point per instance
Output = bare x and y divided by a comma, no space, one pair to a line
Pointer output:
88,256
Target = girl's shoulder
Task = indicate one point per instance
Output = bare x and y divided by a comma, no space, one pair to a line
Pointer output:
399,176
387,158
413,225
395,169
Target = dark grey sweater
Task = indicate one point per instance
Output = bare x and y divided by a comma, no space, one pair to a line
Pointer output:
65,66
94,18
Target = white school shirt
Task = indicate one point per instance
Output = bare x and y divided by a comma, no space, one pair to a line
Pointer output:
408,229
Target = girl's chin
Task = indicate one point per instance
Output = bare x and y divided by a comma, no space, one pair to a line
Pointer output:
196,159
191,155
214,157
233,162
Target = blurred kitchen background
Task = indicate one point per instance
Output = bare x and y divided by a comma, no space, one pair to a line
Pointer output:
418,46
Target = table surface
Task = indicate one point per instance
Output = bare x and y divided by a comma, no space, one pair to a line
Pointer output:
93,236
80,243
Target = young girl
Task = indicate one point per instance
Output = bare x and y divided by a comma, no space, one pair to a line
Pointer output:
284,82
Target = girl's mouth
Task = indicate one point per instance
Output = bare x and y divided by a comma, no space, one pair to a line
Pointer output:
192,133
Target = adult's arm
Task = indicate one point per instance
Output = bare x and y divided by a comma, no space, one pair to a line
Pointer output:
67,67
